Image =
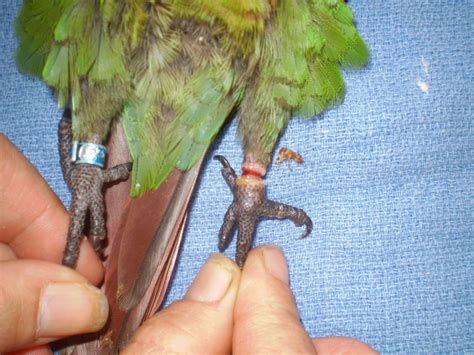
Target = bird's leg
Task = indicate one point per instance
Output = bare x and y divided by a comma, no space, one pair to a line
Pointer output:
82,165
249,205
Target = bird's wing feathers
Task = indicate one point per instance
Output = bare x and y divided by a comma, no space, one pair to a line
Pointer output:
35,27
72,47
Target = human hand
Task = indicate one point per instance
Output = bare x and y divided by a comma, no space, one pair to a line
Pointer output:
40,300
226,310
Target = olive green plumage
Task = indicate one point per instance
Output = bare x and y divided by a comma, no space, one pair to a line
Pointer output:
298,72
174,70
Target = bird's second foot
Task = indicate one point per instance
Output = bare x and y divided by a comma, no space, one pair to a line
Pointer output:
249,205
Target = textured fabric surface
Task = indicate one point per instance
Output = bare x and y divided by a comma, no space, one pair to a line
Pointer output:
387,179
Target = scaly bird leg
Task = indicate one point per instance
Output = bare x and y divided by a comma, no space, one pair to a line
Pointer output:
85,181
249,205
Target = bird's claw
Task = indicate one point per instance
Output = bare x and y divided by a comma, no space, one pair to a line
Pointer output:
227,171
250,204
223,161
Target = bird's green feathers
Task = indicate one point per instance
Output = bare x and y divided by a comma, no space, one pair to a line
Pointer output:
174,70
299,74
335,42
184,89
238,17
35,26
70,46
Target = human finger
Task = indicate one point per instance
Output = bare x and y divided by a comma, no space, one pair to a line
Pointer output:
6,253
341,345
42,301
266,319
201,323
36,350
33,221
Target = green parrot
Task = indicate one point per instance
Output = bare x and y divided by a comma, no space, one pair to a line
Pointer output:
169,73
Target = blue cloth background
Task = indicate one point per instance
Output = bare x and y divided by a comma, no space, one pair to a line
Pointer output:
387,179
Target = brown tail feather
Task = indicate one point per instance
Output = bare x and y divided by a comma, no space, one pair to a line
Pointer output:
144,236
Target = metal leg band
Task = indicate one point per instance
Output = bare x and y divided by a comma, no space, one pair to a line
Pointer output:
88,153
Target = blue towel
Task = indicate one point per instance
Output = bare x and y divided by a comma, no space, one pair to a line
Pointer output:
387,179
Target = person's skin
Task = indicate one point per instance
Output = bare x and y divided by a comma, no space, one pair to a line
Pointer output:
224,310
40,300
229,311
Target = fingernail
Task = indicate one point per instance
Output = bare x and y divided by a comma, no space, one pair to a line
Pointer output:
71,308
212,282
276,264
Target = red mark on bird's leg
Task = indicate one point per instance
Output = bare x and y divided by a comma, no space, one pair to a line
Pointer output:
252,168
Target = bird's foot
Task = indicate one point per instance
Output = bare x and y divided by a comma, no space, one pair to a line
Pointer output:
82,165
249,205
86,182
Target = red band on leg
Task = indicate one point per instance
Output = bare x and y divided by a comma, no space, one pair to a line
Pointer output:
251,172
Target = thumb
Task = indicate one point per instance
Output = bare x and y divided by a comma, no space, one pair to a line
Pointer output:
266,317
202,322
42,301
